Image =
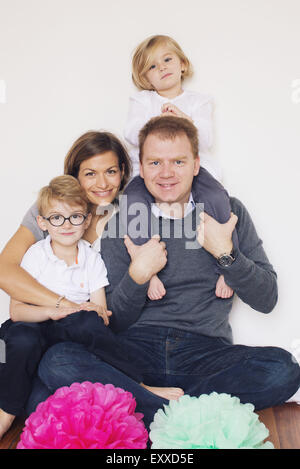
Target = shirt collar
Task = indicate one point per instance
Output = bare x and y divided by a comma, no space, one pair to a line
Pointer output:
189,207
80,258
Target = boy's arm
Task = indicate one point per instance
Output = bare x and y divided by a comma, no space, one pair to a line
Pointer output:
98,303
98,298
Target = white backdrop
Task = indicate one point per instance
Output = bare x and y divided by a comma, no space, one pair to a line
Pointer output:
66,67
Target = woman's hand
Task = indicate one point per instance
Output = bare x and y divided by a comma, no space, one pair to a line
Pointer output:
59,313
102,312
169,109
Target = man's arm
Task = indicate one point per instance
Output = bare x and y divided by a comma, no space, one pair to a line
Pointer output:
129,275
125,298
251,275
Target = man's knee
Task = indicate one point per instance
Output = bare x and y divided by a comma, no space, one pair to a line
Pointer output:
279,368
288,368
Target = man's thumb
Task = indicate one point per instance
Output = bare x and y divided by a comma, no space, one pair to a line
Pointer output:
233,220
128,242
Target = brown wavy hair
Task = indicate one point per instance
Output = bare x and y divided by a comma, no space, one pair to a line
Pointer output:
94,143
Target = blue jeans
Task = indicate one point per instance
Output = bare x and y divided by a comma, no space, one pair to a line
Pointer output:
264,376
26,343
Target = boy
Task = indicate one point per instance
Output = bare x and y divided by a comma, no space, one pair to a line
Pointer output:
67,265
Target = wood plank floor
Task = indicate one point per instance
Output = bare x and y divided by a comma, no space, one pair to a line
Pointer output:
283,423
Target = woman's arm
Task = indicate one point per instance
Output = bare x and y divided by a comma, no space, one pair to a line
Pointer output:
31,313
15,281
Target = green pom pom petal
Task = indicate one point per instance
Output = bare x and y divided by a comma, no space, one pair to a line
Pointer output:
216,421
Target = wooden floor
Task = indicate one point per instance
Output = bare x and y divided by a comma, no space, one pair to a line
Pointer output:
283,423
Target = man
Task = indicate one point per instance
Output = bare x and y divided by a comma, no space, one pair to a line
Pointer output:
185,337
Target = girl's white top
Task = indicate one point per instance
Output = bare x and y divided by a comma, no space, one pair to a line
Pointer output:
144,105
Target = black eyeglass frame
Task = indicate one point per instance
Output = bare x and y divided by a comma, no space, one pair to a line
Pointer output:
66,218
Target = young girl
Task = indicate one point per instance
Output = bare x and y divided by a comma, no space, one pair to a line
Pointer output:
159,67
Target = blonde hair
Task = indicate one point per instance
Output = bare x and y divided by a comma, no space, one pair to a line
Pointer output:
62,188
143,56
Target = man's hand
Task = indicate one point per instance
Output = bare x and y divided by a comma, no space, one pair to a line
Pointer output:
102,312
146,260
215,237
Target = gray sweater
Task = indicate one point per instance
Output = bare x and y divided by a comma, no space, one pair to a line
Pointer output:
190,278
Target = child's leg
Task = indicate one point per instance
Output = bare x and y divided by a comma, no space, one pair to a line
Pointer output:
135,211
222,289
156,289
166,393
135,215
23,350
207,190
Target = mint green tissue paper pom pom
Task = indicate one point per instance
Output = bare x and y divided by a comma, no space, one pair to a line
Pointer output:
216,421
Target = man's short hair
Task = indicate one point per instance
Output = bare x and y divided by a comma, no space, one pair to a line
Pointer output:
167,128
64,189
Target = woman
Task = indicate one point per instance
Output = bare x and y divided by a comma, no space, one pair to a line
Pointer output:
102,166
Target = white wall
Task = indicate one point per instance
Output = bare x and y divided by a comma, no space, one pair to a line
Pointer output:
66,65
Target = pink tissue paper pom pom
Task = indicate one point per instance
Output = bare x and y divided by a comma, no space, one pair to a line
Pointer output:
85,416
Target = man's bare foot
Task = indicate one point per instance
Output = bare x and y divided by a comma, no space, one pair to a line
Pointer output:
156,288
222,289
166,393
5,422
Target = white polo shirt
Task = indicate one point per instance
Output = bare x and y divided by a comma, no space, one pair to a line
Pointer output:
75,282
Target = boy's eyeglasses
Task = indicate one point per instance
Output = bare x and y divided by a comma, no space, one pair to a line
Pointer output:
58,220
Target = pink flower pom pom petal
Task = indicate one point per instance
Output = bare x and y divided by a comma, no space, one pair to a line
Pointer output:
85,416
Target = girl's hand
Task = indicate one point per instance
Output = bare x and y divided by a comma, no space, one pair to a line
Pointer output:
169,109
102,312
